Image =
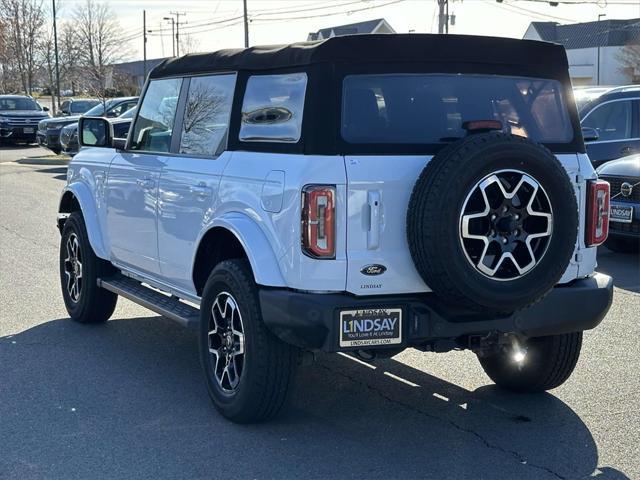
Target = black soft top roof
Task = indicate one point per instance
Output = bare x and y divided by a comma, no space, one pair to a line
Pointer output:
378,48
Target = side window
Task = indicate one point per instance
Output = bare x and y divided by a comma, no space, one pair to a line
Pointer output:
206,115
120,130
154,125
611,120
64,107
272,108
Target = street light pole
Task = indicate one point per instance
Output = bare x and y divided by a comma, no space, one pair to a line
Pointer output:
55,47
598,40
144,45
173,34
246,25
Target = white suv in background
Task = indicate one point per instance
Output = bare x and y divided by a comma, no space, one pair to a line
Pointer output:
362,194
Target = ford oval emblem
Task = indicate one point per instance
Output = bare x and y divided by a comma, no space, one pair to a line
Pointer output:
373,270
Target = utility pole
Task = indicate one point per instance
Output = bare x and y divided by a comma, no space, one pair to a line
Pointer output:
246,25
55,47
177,14
173,34
144,45
598,38
443,16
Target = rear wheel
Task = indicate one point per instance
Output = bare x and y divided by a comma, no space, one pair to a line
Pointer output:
80,269
543,363
249,371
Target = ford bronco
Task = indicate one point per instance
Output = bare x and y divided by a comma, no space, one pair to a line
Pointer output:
360,194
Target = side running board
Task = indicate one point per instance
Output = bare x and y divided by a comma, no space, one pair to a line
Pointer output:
170,307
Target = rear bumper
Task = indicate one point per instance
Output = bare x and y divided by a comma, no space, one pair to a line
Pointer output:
311,320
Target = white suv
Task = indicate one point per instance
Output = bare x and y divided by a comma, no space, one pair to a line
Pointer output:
362,194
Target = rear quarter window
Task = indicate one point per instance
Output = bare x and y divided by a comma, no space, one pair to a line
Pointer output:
272,108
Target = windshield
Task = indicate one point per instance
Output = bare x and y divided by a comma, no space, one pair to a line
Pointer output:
81,106
431,109
19,103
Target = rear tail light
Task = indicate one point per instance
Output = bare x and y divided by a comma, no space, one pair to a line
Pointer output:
318,221
598,213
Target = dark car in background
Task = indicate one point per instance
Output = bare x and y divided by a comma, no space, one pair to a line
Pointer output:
623,176
49,130
610,120
19,117
69,134
77,106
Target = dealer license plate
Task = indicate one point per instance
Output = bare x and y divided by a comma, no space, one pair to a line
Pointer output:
375,326
29,130
621,213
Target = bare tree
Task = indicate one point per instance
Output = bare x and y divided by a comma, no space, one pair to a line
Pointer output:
23,22
100,38
189,44
629,57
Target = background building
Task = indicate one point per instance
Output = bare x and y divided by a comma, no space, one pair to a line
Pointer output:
600,53
379,25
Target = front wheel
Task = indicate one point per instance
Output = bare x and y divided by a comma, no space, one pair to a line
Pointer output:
543,363
249,371
80,269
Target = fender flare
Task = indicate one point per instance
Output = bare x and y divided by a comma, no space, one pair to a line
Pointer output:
263,261
90,214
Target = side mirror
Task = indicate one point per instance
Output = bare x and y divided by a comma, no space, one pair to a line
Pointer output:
45,109
65,112
94,132
590,134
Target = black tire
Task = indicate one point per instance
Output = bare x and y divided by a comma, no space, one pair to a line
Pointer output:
92,304
57,151
623,245
435,209
548,363
268,364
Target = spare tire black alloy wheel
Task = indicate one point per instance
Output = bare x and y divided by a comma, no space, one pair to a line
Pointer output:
505,224
492,223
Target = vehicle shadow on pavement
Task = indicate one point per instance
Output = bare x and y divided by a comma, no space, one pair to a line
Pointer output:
126,399
623,267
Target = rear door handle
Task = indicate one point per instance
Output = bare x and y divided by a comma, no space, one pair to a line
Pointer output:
200,191
146,183
626,151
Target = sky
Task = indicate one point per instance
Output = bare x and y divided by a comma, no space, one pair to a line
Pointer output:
214,24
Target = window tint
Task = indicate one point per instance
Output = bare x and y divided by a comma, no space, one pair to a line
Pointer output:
272,108
154,125
431,109
206,115
611,120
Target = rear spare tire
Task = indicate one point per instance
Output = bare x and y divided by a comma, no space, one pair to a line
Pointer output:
492,222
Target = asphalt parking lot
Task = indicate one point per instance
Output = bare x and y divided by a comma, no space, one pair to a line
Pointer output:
126,399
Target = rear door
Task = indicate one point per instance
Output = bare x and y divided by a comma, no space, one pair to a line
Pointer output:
411,116
190,178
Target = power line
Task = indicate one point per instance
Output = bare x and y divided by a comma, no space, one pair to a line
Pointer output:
510,7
